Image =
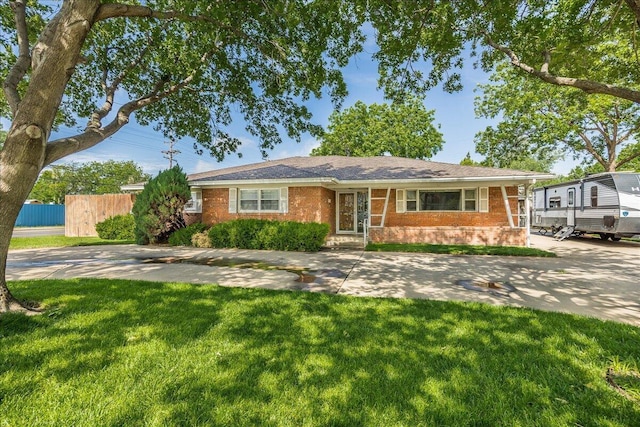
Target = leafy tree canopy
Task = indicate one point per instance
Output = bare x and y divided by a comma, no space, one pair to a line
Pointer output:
400,129
590,45
85,178
468,161
521,163
539,121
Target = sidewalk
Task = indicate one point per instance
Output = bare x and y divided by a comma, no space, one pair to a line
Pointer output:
589,278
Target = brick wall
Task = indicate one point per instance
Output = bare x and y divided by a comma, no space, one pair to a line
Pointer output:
488,236
317,204
496,216
306,204
475,228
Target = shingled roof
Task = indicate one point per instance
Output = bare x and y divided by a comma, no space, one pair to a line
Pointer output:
345,169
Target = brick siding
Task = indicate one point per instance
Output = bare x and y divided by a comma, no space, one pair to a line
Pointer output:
317,204
489,236
306,204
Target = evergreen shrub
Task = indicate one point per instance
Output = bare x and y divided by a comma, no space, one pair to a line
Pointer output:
267,234
158,209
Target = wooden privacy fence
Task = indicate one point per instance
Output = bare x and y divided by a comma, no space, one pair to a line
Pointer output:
83,212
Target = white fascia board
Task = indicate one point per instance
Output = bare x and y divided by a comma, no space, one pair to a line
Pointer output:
494,180
132,187
301,182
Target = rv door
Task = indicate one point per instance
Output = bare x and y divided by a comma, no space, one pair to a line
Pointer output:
571,207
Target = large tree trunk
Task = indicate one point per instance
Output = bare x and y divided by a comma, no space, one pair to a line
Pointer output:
53,60
18,180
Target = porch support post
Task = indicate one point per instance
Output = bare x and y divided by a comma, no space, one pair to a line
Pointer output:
507,206
369,205
527,208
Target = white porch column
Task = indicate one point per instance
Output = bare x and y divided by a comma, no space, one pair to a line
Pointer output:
507,206
527,208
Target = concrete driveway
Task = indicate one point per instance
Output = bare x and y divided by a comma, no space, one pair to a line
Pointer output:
590,277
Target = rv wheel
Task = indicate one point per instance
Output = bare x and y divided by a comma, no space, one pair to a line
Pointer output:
603,236
615,238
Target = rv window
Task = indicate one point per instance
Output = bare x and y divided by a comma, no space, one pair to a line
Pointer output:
594,196
554,202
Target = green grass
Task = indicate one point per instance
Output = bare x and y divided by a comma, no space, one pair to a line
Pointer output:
60,241
458,249
118,352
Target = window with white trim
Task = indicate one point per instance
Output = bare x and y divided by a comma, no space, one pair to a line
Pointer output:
441,200
412,200
262,200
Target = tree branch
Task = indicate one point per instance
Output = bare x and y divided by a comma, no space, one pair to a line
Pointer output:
628,159
587,86
116,10
21,66
92,136
110,89
589,147
634,5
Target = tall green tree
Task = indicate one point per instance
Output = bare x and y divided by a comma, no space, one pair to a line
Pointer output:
540,120
85,178
158,209
587,45
400,129
186,65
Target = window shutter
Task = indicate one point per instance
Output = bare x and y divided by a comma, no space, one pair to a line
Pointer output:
484,199
284,199
233,200
400,206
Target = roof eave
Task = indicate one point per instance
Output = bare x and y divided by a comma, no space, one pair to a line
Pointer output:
509,178
270,181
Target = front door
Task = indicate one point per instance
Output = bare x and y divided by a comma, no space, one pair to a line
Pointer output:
352,211
571,207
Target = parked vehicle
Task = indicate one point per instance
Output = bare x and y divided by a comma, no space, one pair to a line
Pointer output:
607,204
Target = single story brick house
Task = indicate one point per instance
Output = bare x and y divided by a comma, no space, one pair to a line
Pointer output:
385,199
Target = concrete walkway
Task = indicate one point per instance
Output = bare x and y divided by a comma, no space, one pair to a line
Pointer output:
590,277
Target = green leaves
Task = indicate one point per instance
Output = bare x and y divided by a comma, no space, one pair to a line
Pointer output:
85,178
158,208
400,129
540,121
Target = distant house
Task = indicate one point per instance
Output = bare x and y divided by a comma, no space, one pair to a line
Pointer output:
391,199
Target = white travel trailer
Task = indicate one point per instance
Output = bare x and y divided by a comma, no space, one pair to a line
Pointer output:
607,204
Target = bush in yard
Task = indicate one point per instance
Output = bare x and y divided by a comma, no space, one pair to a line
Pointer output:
118,227
266,234
159,207
182,237
201,240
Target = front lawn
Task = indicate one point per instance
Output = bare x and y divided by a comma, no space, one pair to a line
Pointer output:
119,352
60,241
458,249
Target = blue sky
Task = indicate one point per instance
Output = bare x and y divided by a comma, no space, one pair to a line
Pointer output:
453,112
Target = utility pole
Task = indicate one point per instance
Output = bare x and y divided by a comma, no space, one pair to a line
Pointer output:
168,154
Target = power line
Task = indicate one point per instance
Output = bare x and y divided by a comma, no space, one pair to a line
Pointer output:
168,154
